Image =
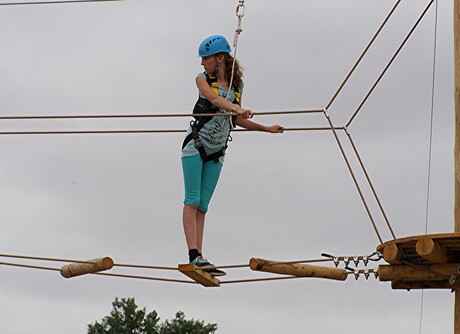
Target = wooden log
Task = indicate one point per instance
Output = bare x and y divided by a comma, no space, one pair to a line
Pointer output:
198,275
400,272
392,254
92,266
297,269
456,19
431,250
404,285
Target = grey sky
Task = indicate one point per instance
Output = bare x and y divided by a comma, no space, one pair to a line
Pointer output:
281,197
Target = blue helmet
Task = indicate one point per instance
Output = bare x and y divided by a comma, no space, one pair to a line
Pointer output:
213,45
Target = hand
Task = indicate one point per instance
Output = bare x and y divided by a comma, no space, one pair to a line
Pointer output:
275,129
245,113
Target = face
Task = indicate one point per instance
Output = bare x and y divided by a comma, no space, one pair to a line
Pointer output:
210,62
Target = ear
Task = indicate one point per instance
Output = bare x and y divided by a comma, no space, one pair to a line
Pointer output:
220,58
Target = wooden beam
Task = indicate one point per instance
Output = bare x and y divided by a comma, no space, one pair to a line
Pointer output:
401,272
92,266
198,275
297,269
456,19
404,285
431,250
392,254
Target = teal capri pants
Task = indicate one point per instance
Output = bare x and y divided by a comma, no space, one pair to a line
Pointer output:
200,180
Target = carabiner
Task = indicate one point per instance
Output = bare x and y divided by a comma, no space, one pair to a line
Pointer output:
240,9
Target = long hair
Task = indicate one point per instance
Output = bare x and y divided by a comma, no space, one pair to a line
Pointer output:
237,74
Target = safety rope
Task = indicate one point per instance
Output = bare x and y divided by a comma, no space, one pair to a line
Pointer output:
51,2
239,13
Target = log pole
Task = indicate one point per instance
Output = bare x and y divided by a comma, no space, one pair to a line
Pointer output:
456,20
297,269
432,251
402,272
91,266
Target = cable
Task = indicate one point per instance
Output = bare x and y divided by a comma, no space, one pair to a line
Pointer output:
350,169
362,55
51,2
264,113
371,185
389,64
101,132
422,297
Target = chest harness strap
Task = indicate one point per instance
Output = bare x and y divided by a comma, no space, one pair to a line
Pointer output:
203,106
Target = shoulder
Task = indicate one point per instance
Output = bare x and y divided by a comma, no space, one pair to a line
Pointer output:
201,75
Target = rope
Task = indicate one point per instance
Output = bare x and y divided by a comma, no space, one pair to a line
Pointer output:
43,258
239,13
251,280
51,2
101,132
362,55
389,64
371,185
350,169
265,113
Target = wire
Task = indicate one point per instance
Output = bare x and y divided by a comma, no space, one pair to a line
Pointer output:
389,64
51,2
350,169
362,55
265,113
101,132
428,191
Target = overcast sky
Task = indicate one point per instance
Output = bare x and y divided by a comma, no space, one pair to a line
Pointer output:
281,197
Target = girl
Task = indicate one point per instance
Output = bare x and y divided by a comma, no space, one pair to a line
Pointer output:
203,150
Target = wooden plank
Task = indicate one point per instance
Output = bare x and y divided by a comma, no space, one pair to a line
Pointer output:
198,275
297,269
92,266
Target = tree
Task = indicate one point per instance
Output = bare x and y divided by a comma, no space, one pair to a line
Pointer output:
125,318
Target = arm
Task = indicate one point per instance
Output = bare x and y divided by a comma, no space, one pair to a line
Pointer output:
219,101
253,126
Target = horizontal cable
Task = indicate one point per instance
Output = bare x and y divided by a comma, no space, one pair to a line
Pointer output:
43,258
259,279
140,266
28,266
11,133
145,278
292,112
51,2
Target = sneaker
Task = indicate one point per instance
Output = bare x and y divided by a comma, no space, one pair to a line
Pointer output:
201,261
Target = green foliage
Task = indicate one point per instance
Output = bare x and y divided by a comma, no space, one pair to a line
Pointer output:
179,325
125,318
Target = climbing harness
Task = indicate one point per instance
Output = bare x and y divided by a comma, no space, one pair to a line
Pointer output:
203,106
212,45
